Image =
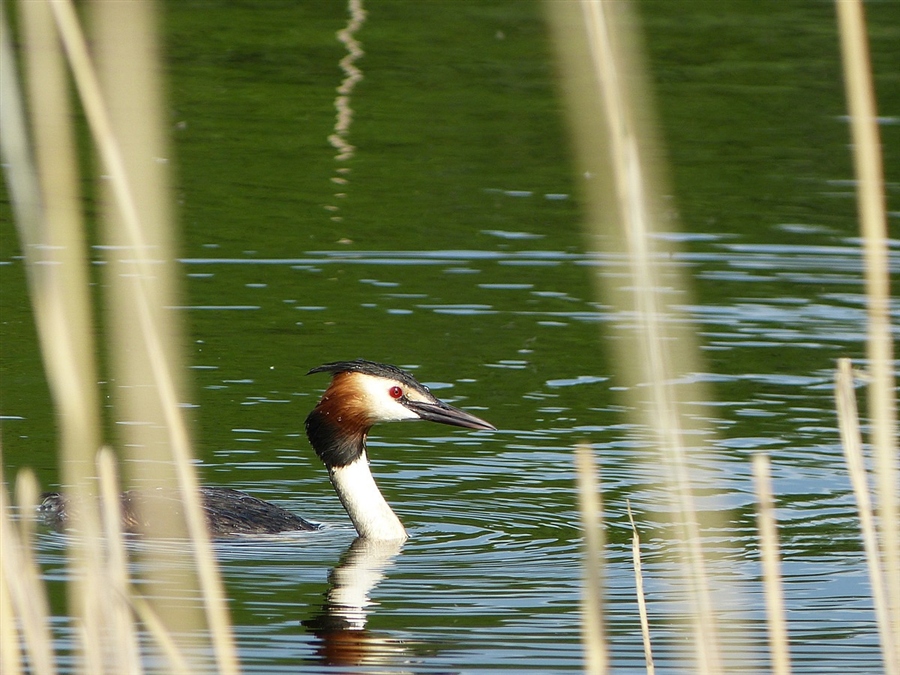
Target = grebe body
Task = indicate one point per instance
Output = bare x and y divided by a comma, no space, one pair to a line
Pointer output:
361,394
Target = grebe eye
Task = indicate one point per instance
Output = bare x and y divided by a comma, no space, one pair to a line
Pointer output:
395,392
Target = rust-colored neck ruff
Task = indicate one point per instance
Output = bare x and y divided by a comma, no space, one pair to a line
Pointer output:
338,425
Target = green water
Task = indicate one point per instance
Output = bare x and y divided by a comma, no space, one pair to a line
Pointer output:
457,250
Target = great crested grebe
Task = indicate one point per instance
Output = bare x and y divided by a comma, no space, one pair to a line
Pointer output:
361,394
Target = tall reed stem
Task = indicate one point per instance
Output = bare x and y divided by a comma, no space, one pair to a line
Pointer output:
590,507
867,162
851,439
608,103
771,566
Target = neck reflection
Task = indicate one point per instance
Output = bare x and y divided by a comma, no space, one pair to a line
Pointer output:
340,624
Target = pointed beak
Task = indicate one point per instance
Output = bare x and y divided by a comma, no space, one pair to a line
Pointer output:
447,414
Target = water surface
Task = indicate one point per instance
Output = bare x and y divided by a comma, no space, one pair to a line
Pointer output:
453,248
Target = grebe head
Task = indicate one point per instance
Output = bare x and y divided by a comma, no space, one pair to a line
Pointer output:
363,393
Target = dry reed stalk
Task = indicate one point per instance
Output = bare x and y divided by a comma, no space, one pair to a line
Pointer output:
126,655
851,439
144,300
176,661
867,161
55,253
23,603
10,652
591,510
639,591
15,152
27,498
46,204
771,566
608,105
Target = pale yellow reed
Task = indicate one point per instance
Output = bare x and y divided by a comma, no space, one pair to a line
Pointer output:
608,105
851,439
591,508
639,592
867,162
767,525
48,211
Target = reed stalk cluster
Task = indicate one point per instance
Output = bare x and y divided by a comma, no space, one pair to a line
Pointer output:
609,106
178,617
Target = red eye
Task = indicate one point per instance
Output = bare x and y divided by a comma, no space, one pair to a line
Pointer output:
396,392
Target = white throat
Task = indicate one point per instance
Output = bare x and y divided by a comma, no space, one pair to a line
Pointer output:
370,513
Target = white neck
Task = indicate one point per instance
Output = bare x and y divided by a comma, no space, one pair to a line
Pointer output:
370,513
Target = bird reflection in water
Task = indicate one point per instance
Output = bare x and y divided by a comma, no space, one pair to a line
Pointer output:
340,624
